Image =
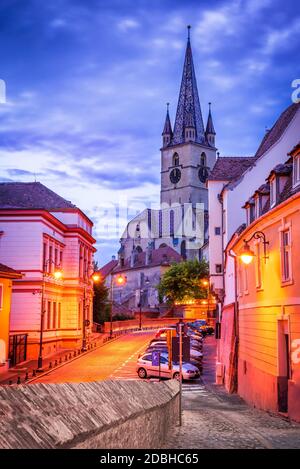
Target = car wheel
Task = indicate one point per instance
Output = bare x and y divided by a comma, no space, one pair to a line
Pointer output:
142,373
176,376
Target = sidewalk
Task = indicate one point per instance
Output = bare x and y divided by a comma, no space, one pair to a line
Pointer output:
214,419
26,370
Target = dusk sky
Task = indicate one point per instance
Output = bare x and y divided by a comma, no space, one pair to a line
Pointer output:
87,82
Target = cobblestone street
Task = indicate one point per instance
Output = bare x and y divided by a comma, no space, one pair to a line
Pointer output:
214,419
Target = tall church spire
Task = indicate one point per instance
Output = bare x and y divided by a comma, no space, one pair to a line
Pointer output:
210,130
167,132
188,123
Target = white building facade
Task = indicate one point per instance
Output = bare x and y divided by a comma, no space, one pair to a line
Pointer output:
41,234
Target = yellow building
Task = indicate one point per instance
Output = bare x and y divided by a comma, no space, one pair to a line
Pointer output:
6,277
268,279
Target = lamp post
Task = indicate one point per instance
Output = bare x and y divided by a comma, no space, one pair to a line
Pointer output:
57,274
205,283
247,255
147,281
95,277
120,281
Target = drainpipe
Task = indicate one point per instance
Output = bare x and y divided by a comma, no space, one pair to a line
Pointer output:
219,367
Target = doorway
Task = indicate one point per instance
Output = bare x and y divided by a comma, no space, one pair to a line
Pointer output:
284,365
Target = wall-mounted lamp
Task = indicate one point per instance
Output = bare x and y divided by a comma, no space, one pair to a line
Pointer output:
247,254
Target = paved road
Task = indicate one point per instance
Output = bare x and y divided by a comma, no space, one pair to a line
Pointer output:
115,360
213,419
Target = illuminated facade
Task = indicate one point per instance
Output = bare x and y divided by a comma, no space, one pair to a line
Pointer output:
259,349
41,233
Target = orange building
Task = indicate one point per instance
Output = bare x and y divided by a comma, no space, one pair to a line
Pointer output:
7,275
267,332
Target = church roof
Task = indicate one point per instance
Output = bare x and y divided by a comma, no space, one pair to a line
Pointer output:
210,126
188,109
108,268
160,256
30,195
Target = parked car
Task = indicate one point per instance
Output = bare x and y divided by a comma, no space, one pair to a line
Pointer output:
145,368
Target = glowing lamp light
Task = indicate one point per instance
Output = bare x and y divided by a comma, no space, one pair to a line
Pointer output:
247,255
96,277
205,282
58,274
121,280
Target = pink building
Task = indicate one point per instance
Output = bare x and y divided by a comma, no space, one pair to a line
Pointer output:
49,240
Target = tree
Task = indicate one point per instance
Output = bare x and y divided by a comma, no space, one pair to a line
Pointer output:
101,309
182,281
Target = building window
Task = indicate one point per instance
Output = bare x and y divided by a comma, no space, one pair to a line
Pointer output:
217,230
59,316
1,295
252,213
172,223
49,315
50,259
258,266
54,316
218,268
286,267
44,256
79,316
257,207
296,170
175,159
203,159
160,223
273,192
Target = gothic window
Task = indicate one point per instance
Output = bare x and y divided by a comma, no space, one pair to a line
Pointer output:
160,224
203,159
139,249
172,223
183,250
175,159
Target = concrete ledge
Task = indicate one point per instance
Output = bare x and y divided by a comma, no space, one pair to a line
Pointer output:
105,414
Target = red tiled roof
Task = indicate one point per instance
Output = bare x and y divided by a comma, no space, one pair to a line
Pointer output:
229,168
160,256
30,195
277,130
107,268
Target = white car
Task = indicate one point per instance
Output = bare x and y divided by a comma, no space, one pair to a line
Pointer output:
144,368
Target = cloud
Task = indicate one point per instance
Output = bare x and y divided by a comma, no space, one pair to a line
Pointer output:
128,24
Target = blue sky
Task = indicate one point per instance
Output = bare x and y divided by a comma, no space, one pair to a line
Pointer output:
87,82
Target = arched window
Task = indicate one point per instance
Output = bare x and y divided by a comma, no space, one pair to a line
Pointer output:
160,224
175,159
172,223
183,250
203,159
138,249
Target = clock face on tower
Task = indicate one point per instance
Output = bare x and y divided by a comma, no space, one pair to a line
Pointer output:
175,175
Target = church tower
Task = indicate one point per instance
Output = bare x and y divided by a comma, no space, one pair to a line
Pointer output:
188,152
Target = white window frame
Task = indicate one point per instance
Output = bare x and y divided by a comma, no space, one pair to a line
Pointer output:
286,228
273,190
245,279
296,170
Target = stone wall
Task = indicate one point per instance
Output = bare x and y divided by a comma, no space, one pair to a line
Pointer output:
104,414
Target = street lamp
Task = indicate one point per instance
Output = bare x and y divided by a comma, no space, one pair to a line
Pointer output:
120,281
57,274
247,255
94,277
205,283
147,281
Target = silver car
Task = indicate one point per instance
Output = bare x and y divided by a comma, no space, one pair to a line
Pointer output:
145,368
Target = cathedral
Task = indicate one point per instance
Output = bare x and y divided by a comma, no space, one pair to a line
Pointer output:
188,152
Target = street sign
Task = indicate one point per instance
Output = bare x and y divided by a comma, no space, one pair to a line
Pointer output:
185,349
155,358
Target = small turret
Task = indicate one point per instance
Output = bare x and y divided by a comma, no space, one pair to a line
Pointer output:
167,132
210,130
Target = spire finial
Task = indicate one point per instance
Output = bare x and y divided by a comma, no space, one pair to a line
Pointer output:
209,106
189,30
168,104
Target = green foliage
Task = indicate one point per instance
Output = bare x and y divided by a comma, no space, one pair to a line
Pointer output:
183,281
101,308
